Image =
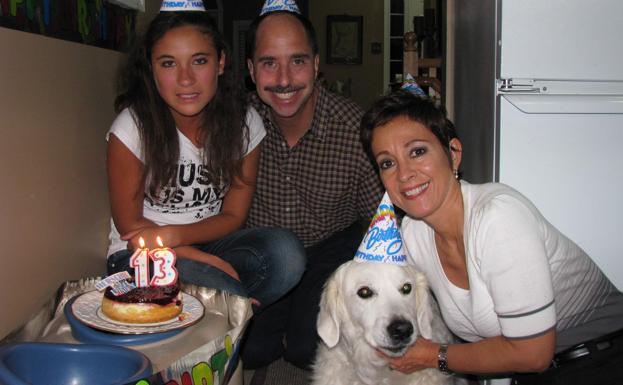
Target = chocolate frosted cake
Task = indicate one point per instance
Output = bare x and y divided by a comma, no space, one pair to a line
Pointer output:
143,304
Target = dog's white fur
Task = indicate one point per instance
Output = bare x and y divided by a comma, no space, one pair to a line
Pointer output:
360,300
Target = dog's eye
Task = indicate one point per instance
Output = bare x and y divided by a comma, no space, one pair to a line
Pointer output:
365,292
406,288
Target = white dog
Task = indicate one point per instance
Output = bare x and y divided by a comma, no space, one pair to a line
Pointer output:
367,306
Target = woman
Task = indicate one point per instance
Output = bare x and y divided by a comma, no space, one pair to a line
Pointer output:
182,164
509,284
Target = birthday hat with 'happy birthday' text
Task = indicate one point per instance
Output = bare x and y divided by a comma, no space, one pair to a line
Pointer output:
279,5
383,242
186,5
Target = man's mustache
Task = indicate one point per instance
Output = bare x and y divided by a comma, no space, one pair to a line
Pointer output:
283,89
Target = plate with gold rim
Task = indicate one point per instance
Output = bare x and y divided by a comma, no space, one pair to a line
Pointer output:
87,309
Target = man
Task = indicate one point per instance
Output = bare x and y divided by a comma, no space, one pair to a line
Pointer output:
314,179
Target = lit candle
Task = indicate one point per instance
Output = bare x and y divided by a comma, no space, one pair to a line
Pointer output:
140,262
165,272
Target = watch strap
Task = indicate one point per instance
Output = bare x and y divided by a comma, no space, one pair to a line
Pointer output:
442,359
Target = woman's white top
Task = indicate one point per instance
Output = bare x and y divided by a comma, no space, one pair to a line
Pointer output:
525,277
196,197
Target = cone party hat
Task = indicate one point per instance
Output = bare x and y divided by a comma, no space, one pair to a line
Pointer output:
382,242
186,5
279,5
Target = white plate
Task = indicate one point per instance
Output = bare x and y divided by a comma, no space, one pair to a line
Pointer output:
87,309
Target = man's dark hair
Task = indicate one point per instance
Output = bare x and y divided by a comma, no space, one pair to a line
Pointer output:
307,25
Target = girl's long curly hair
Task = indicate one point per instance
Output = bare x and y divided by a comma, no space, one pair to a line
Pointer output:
224,132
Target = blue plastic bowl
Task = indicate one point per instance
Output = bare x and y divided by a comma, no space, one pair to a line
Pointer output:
75,364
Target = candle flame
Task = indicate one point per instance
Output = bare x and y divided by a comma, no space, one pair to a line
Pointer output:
141,242
159,241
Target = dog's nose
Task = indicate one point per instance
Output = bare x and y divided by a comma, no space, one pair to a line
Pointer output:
400,330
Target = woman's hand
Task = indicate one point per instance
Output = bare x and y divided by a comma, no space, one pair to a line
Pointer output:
421,355
488,356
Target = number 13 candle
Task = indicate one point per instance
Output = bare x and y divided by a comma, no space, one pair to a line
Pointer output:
165,272
140,262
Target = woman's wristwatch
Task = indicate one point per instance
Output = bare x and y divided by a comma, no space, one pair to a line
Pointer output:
442,359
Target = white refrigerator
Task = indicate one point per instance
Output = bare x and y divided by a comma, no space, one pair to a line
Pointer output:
539,106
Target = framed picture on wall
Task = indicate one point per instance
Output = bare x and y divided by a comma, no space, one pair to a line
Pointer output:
344,39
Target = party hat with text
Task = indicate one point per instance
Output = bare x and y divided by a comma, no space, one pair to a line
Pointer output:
187,5
279,5
382,242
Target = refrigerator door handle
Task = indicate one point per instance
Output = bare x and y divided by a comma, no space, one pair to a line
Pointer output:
517,85
567,104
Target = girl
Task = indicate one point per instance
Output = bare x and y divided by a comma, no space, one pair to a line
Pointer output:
182,164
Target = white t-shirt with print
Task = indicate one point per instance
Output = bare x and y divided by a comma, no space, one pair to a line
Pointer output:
196,197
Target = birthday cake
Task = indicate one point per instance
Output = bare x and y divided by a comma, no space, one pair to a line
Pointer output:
143,304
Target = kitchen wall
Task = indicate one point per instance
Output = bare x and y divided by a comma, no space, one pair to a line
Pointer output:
55,108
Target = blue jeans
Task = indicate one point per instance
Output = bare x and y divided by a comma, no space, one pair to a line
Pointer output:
269,261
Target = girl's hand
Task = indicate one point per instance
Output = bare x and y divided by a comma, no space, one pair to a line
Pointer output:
144,232
149,235
421,355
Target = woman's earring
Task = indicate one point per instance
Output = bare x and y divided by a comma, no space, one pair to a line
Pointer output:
456,173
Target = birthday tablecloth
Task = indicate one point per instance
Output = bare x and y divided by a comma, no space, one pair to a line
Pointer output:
204,353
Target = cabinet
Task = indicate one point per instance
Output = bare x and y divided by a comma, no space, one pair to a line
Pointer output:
396,39
425,18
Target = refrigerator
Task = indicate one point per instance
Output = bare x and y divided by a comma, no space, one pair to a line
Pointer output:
539,106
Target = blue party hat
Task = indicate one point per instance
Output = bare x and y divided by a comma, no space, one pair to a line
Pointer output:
411,85
382,242
187,5
279,5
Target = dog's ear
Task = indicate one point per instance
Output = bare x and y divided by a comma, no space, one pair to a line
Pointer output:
328,324
423,310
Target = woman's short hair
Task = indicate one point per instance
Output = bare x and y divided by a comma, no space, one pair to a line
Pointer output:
403,103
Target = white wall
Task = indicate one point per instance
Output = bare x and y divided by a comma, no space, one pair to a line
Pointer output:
55,107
